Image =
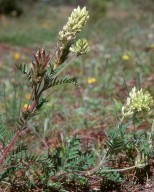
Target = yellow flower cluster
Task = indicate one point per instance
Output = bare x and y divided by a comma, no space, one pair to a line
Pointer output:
25,107
91,80
125,57
16,56
27,96
136,102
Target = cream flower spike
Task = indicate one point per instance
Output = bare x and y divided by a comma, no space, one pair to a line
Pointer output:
75,23
136,102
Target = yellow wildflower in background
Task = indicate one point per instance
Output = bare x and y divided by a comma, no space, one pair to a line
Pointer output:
27,96
16,56
136,102
91,80
26,107
125,57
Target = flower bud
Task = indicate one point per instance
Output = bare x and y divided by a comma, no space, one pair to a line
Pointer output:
81,47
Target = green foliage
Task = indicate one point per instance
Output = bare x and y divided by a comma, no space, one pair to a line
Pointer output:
97,8
134,144
69,163
112,176
72,158
5,135
3,131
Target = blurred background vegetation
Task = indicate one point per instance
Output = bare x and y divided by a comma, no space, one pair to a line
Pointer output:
32,21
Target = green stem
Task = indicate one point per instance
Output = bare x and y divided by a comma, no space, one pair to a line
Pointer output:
65,66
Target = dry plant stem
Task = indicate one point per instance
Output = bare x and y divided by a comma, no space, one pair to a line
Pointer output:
90,172
86,173
15,136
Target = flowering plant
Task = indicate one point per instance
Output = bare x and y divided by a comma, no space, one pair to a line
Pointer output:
136,102
44,71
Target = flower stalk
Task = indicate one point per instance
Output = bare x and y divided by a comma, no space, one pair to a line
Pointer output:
43,73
